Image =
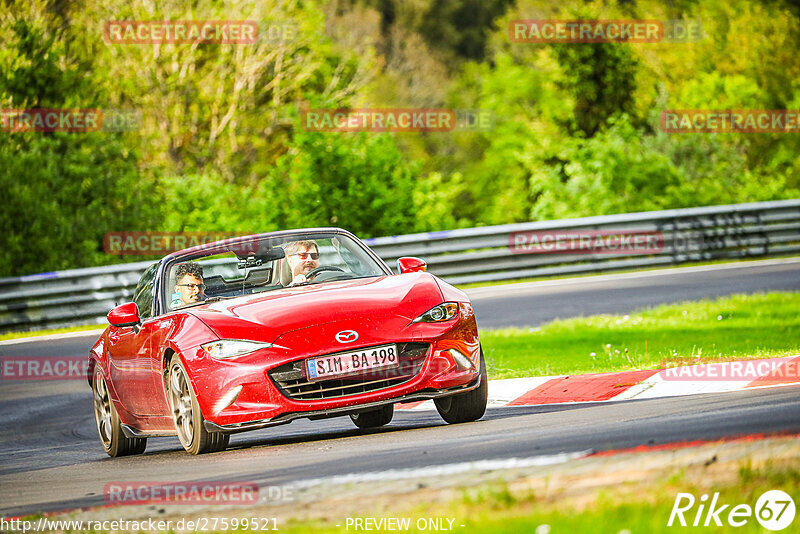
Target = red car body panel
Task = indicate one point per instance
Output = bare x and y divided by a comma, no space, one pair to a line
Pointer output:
300,322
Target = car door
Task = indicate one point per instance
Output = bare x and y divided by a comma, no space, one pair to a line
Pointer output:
130,353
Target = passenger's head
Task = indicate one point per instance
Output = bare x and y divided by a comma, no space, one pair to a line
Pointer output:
189,282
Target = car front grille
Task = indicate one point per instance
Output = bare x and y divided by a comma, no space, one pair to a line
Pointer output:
290,380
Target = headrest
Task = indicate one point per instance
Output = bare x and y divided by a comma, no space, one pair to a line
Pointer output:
258,277
286,273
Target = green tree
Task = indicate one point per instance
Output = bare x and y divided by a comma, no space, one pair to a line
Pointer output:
600,78
358,181
221,109
456,28
62,191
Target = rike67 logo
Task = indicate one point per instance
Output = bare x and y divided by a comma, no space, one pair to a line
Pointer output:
774,510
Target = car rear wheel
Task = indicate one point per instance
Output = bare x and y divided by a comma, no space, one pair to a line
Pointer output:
187,415
373,418
109,427
465,407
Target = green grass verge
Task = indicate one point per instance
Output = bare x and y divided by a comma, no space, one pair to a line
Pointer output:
17,335
618,271
630,508
35,333
736,327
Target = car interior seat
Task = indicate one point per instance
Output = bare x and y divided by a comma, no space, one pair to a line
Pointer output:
282,274
258,277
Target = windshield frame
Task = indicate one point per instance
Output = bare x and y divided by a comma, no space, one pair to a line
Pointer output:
160,303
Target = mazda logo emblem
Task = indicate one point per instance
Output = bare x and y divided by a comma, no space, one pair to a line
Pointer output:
346,336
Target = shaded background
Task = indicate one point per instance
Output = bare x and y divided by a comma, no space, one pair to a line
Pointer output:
219,146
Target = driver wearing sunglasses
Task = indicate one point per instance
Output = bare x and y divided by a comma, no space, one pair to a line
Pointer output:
302,256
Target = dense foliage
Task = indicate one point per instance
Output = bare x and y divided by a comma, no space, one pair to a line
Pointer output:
220,146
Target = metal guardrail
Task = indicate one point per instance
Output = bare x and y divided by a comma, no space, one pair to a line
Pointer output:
482,254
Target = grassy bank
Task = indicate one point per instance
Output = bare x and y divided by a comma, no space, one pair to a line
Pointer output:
736,327
38,333
633,508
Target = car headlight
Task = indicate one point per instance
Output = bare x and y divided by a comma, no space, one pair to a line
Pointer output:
230,348
443,312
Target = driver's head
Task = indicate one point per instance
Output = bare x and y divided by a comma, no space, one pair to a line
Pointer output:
302,256
189,282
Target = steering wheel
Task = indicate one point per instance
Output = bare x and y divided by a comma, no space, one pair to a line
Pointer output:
322,268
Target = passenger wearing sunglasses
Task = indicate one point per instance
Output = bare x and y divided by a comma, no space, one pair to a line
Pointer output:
189,283
302,256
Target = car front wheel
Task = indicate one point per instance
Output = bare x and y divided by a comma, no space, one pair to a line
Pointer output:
465,407
109,427
374,418
187,415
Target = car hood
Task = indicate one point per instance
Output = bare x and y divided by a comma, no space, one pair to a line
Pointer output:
370,303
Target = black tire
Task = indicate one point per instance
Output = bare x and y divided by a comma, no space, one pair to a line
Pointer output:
187,415
374,418
465,407
109,427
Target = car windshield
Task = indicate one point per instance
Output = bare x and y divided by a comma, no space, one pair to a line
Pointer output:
256,265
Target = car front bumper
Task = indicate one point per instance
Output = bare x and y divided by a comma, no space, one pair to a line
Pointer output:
259,402
288,417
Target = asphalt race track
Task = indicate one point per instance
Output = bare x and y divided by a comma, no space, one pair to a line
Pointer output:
534,303
51,458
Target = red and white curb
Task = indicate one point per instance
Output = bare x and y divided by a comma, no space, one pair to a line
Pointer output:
686,380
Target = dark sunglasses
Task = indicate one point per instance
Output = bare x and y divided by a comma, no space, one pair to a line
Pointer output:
305,255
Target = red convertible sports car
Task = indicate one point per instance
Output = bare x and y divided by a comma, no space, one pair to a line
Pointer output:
258,331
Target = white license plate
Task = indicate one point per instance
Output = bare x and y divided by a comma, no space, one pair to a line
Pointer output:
357,361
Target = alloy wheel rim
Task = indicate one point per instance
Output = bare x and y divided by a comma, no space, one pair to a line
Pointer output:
102,410
181,405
